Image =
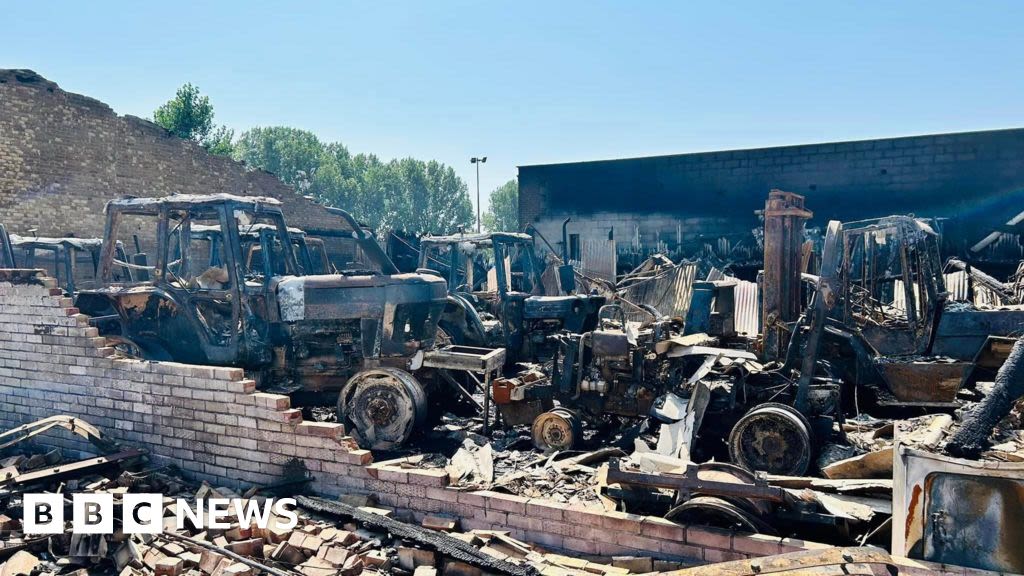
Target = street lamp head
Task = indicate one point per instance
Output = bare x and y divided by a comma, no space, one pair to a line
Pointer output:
474,159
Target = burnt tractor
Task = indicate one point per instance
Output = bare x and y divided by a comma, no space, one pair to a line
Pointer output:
497,296
73,262
204,298
259,239
743,411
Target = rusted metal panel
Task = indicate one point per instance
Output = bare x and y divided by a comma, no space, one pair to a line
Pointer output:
954,511
596,260
915,380
466,358
958,287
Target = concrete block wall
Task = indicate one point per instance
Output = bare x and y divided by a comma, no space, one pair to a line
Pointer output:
973,180
214,425
929,175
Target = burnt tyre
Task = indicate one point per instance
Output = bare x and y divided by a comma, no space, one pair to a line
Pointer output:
128,348
125,347
772,438
382,407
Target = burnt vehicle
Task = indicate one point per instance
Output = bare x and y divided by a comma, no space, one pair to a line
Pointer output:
73,262
894,329
259,239
766,417
203,301
744,411
497,296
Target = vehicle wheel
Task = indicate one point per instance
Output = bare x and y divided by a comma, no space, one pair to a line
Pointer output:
125,347
772,438
132,349
725,472
382,407
558,429
717,513
447,335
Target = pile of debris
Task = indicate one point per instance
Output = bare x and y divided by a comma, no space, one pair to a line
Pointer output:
344,537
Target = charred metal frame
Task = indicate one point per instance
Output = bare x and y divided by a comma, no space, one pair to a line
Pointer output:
232,348
515,309
920,270
784,218
960,512
486,362
64,252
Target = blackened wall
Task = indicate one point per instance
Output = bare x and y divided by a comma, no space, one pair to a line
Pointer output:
974,178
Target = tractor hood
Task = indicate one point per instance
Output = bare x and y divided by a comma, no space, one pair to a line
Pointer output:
341,297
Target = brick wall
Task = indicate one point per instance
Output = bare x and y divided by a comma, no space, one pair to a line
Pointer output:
214,426
64,155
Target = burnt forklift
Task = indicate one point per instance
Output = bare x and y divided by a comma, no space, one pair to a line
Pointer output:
201,301
496,296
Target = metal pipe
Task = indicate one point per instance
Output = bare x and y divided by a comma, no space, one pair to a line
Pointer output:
565,240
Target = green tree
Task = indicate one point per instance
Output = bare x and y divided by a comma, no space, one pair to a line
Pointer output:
407,194
291,154
189,115
503,208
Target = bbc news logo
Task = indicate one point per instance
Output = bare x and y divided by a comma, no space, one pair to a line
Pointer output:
144,513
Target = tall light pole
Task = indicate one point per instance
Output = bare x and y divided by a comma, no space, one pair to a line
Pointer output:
478,162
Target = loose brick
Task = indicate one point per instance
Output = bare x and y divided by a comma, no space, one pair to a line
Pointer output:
708,537
429,477
757,544
664,529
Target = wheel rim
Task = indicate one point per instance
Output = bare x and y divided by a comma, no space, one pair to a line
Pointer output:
717,513
442,338
125,346
558,429
725,472
382,407
772,438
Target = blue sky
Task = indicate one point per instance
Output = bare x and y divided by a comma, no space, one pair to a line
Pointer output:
539,82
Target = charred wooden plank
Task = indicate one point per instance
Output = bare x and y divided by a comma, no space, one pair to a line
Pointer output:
439,541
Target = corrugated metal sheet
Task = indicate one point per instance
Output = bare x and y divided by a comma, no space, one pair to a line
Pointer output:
747,308
956,285
597,259
669,292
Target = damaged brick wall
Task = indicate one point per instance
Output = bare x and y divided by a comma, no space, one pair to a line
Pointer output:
64,155
214,426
